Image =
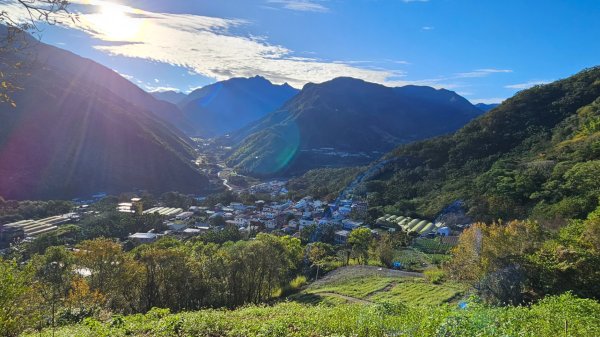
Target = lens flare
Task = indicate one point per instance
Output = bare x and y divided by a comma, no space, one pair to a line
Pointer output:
115,23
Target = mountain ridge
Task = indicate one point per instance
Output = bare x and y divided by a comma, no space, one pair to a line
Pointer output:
226,106
334,116
71,136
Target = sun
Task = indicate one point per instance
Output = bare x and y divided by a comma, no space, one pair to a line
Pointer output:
114,22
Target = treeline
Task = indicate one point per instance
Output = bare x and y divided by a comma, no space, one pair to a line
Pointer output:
521,261
13,211
63,286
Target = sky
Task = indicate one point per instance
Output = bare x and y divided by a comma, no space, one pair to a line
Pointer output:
485,50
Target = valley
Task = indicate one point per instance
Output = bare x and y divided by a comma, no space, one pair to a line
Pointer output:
299,168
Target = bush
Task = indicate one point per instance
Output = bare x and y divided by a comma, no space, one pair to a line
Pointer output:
435,276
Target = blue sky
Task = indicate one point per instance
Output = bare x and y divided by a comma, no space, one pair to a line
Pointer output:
484,50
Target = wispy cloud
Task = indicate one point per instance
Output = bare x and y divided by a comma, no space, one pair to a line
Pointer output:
209,47
526,85
214,47
160,89
427,28
482,73
301,5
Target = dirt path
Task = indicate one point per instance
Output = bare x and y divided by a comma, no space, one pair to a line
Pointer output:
385,289
344,297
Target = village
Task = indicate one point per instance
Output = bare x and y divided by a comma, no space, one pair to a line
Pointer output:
286,217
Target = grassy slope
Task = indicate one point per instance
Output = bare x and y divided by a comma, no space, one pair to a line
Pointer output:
292,319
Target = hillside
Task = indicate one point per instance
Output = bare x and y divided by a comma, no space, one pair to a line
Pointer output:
71,136
345,122
170,96
226,106
83,69
536,155
546,318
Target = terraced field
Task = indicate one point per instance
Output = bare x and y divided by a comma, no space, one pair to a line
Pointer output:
354,285
420,292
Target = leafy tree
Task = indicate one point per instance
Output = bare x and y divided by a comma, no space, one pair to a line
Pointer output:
54,271
359,239
17,298
317,254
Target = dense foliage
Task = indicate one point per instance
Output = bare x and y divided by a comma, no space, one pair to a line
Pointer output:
12,211
522,261
100,276
537,154
322,183
555,316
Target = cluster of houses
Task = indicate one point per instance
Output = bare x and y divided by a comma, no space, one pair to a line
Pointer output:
274,188
287,216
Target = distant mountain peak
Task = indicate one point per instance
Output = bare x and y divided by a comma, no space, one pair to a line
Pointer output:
229,105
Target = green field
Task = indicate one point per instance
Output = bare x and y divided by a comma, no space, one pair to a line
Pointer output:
432,246
548,318
363,285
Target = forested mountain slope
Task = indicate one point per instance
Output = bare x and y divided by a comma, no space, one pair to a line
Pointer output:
537,154
345,122
70,136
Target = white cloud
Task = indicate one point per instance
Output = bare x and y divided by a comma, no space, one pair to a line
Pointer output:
207,46
427,28
482,73
526,85
160,89
301,5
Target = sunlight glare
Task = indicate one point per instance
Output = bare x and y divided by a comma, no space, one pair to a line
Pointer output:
115,24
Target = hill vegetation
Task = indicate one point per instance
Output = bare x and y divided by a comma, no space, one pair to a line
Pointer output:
324,183
554,316
536,155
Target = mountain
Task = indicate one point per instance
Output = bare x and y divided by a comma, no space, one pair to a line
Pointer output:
170,96
345,122
486,107
226,106
536,155
72,135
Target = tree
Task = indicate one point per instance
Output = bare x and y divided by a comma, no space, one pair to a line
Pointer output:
54,273
16,299
359,239
317,253
385,249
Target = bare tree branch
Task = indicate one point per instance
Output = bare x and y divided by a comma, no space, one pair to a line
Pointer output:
14,38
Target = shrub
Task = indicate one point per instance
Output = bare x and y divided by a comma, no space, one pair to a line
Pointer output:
435,276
